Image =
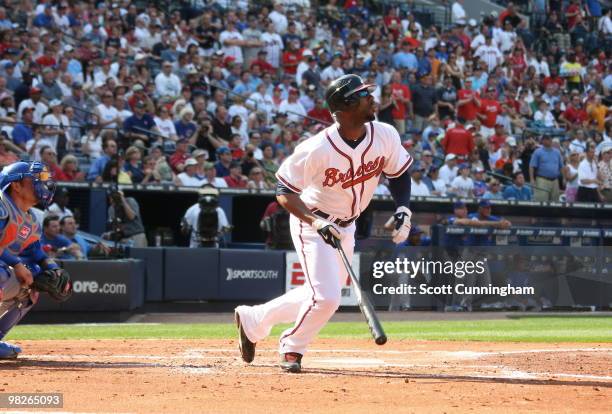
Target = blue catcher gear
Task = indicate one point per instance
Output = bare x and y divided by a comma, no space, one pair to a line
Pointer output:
44,186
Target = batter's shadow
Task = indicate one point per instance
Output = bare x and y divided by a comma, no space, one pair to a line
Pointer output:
458,378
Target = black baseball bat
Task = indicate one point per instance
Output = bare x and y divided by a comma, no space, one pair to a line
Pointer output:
364,303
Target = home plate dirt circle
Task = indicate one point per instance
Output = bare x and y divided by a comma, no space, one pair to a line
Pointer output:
339,376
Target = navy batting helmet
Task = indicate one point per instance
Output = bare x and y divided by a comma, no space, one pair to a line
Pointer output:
344,92
44,186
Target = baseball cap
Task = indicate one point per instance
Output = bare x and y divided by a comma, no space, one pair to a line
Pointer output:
55,102
199,152
511,141
182,141
8,65
234,164
484,203
34,90
137,87
458,204
479,170
76,85
223,150
463,166
450,157
190,162
208,165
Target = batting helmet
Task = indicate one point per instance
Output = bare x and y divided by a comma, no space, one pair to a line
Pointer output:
342,93
44,186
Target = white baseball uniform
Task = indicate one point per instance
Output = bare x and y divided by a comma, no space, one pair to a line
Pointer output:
334,179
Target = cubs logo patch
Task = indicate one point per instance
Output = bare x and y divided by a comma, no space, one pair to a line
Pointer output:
24,232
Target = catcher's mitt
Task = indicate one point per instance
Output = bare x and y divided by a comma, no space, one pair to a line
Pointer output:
55,282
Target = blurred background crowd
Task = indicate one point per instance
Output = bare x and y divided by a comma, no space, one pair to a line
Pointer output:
503,105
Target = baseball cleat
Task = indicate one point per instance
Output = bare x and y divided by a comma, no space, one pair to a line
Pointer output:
247,348
8,351
291,362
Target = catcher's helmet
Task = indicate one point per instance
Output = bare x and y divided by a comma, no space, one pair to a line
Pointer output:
44,186
342,93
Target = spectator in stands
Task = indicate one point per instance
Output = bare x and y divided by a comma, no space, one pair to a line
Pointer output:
575,116
458,141
518,190
49,157
125,219
447,99
139,125
437,186
6,155
256,180
494,191
185,127
181,154
188,177
68,227
489,109
167,83
589,179
462,185
424,101
23,132
56,245
108,115
109,149
579,143
400,102
480,186
210,176
449,170
605,172
570,174
133,165
70,169
544,170
418,187
224,156
235,179
60,204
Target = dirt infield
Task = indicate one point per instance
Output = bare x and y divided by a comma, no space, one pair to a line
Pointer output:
189,376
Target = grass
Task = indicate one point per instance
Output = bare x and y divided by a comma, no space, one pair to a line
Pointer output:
540,329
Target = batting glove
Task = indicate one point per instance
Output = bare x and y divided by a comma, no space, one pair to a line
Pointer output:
401,224
327,231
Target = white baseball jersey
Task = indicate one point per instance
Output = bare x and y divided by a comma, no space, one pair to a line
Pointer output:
331,176
338,180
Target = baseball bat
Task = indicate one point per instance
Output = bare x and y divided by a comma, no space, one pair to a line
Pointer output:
364,303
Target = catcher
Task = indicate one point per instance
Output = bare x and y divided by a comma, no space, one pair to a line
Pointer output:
25,270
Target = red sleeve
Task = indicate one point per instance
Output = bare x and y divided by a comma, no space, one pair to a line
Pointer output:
445,141
470,141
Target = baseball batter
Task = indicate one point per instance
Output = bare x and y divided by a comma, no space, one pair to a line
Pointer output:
327,182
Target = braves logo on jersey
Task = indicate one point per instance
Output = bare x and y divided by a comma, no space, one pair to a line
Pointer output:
365,172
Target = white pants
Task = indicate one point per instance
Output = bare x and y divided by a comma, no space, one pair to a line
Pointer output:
310,306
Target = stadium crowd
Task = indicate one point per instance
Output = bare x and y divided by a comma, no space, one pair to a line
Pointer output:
496,106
